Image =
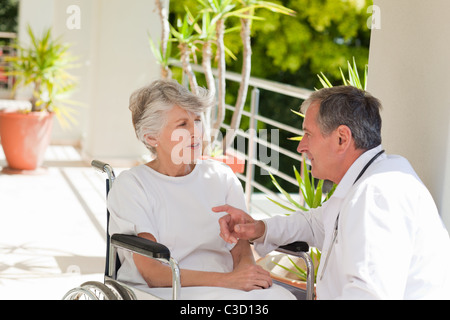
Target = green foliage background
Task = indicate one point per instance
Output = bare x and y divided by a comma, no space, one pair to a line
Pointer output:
322,36
8,15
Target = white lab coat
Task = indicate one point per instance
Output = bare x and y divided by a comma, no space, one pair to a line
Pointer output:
391,243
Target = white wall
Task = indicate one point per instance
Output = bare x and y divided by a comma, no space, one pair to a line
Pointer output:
114,60
409,66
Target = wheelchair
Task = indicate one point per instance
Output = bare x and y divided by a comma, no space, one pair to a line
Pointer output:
112,289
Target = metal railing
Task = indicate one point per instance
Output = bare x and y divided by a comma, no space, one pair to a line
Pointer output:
250,156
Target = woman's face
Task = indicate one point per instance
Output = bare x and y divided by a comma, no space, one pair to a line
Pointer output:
181,138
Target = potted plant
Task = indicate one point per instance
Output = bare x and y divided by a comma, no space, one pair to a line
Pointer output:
25,133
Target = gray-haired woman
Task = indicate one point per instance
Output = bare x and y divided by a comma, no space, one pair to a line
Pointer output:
169,200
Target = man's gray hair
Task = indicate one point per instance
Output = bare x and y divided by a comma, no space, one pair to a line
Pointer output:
149,106
349,106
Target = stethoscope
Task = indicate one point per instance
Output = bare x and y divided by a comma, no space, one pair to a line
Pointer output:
335,233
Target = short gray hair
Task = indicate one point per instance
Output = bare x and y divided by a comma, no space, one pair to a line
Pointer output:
149,106
350,106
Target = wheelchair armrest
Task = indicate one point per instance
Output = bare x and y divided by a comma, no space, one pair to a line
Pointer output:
149,249
141,246
300,249
293,248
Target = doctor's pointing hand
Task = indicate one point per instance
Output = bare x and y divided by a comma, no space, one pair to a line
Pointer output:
380,233
237,224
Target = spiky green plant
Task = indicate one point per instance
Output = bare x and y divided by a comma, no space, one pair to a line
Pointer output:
313,194
44,65
353,77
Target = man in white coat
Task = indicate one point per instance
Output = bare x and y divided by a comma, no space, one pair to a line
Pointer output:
380,233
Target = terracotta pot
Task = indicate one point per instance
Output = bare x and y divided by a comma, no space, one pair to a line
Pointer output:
236,164
25,137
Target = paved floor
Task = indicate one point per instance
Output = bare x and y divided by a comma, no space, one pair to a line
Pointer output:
52,227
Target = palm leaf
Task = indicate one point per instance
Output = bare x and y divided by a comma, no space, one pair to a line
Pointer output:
299,272
287,195
281,205
298,113
324,81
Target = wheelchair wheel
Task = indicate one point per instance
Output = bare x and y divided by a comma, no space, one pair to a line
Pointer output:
91,290
100,290
80,294
120,291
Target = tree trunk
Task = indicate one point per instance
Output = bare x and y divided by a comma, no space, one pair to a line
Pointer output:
220,30
187,67
243,87
163,14
210,82
34,98
206,63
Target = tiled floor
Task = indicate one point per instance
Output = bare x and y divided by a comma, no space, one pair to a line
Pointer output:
52,228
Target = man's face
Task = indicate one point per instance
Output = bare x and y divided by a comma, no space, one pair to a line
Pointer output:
318,148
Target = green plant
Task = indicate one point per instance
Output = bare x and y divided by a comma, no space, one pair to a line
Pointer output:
313,195
186,37
299,271
162,56
353,77
44,65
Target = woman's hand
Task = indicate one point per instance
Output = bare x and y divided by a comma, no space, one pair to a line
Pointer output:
248,277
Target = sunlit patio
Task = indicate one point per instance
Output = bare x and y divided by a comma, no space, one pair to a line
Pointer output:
52,239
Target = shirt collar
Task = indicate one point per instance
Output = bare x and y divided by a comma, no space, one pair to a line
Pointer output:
351,174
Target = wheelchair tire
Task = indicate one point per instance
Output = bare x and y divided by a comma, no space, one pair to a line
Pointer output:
100,290
121,291
79,294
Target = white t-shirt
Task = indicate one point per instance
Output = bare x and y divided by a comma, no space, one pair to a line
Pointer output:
177,212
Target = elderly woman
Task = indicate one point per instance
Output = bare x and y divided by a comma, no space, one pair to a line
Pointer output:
169,200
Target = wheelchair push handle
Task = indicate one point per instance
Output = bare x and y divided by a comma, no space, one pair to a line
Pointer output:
99,165
104,168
